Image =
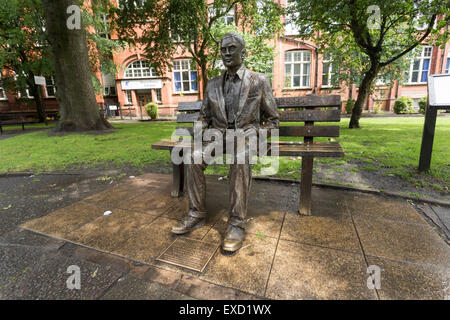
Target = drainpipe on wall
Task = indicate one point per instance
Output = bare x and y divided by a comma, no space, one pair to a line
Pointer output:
317,71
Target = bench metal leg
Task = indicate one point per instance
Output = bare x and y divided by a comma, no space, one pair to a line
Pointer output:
178,180
305,186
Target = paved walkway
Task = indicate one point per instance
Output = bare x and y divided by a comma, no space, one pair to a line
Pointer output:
285,256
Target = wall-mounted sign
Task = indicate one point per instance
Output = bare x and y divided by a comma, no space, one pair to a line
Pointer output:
141,84
39,80
112,108
439,90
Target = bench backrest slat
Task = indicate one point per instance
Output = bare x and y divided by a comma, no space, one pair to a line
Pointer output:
309,131
190,106
332,115
309,101
187,117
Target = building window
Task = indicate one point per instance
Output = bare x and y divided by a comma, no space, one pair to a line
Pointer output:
447,65
112,91
140,69
185,76
420,66
128,97
2,91
297,65
227,18
158,95
104,28
24,89
328,71
50,87
290,28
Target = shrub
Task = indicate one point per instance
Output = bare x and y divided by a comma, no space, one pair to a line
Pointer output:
152,110
377,108
423,105
403,105
349,105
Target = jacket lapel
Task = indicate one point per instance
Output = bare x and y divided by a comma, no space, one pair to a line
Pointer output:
220,97
245,88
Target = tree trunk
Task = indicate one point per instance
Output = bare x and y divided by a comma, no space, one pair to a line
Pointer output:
75,92
204,75
363,92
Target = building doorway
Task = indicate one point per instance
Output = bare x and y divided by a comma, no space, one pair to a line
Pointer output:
143,99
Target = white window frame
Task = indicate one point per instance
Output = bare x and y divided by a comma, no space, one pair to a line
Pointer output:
27,90
228,19
50,85
447,63
141,66
105,34
421,59
330,72
303,62
158,99
4,96
290,29
181,69
128,99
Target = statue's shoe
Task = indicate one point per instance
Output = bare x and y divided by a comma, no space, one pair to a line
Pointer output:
188,224
234,238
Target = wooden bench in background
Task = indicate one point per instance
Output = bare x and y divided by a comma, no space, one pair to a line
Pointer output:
309,110
22,118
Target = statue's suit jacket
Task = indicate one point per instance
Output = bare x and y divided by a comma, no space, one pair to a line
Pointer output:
257,106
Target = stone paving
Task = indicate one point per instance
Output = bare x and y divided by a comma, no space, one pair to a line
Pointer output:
285,255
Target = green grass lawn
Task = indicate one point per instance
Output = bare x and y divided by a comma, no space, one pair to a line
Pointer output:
390,144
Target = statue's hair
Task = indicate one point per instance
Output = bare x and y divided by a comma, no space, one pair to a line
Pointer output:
235,36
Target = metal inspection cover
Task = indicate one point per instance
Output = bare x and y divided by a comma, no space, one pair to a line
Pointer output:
189,253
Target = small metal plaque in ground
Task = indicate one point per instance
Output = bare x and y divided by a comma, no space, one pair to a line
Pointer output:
189,253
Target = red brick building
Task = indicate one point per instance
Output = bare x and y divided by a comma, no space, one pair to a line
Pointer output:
298,70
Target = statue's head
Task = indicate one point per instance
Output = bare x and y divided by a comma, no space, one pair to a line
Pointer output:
232,49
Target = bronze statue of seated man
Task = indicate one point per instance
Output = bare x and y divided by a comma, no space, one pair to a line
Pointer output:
237,99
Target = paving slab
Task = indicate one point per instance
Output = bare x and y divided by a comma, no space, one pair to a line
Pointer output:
404,281
444,215
327,227
131,288
246,270
47,280
437,219
416,243
370,206
62,222
109,232
307,272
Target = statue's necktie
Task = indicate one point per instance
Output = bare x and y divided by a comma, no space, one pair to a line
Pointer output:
231,97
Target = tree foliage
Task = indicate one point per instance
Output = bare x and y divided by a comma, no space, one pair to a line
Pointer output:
194,27
25,50
367,38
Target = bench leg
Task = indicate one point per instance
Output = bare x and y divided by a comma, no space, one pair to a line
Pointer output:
178,180
305,186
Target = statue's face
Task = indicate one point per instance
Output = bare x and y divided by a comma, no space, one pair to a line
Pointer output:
232,52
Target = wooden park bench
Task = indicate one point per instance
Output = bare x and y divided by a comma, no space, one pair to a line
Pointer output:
22,118
308,109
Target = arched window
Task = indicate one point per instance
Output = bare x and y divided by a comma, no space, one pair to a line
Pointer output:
140,69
